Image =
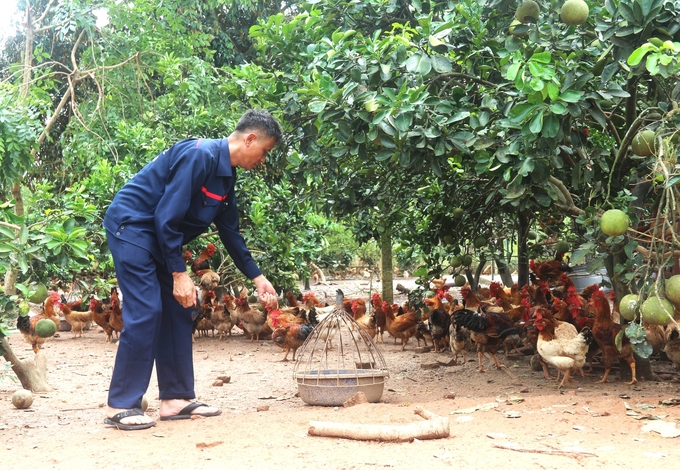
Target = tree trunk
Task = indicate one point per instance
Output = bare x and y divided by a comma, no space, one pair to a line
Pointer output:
386,266
31,374
522,258
504,273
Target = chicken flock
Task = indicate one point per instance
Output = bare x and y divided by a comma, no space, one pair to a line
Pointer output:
563,327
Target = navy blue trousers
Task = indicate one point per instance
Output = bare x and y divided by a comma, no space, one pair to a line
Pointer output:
157,329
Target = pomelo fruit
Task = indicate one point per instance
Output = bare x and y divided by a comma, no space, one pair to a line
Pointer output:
574,12
479,242
24,308
22,399
45,328
628,306
562,247
528,12
644,143
467,260
673,289
656,310
429,294
449,240
614,222
531,235
456,261
40,294
458,213
459,280
145,403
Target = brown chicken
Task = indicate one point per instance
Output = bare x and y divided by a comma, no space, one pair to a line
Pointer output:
116,318
487,330
224,316
253,320
672,348
605,332
202,263
101,317
550,271
289,331
402,327
26,324
76,319
475,302
362,318
379,314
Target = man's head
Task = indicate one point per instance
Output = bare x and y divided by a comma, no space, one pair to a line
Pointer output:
260,122
256,133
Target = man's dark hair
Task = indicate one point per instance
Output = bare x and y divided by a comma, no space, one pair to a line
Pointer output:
255,120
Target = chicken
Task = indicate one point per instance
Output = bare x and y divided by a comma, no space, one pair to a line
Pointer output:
403,326
380,319
363,319
254,321
560,344
291,336
292,301
76,319
550,271
459,341
439,321
202,263
101,317
26,324
487,330
423,331
473,301
672,348
605,332
220,319
116,318
347,303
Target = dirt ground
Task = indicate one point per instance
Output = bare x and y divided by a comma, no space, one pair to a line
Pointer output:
497,419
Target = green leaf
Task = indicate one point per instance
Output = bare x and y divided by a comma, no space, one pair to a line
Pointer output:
419,64
638,54
441,64
542,57
527,166
551,127
317,106
571,96
537,123
23,235
513,71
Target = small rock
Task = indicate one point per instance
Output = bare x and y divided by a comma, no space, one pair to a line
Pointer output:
425,349
224,378
430,365
536,363
217,383
263,408
450,395
356,399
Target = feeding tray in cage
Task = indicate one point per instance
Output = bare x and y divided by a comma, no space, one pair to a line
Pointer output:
339,359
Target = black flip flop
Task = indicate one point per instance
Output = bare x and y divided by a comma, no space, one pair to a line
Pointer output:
186,412
115,420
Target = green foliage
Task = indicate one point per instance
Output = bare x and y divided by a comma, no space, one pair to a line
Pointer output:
369,253
339,246
18,134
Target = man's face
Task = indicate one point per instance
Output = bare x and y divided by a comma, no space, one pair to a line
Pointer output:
257,148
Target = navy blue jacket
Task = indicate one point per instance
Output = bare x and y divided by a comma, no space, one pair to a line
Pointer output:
175,198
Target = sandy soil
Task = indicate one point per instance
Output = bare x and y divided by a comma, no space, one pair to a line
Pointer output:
522,418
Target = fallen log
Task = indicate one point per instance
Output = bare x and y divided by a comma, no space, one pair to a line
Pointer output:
436,427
